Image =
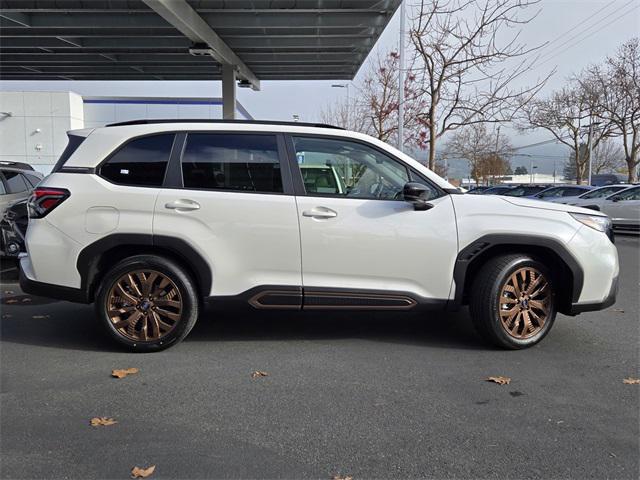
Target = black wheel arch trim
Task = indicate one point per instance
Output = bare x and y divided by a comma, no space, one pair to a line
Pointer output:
474,250
89,258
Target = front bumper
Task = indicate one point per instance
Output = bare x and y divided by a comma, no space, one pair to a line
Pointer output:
609,300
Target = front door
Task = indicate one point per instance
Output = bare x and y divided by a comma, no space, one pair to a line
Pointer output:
359,237
232,206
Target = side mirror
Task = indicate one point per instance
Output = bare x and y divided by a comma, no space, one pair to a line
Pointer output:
615,199
416,194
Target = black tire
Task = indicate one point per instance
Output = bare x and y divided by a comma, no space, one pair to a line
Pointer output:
487,293
185,320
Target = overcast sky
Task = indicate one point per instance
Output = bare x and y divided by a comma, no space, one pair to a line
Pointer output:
580,31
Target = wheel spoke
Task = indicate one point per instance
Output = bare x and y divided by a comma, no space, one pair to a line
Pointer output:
148,283
130,280
123,293
170,315
516,286
163,302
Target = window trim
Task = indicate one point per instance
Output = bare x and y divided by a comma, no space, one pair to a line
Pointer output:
98,168
19,175
175,180
298,182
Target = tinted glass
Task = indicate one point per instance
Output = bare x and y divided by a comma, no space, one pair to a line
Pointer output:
246,163
630,194
572,192
551,193
15,183
602,192
320,180
141,162
2,189
32,179
363,171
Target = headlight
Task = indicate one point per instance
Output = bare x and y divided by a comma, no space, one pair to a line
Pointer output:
597,222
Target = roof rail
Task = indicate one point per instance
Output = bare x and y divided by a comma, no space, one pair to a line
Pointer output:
200,120
22,165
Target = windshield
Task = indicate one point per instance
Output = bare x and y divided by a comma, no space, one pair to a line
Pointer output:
551,192
603,192
523,191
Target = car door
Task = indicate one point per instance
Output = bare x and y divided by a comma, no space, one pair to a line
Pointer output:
624,208
230,199
366,246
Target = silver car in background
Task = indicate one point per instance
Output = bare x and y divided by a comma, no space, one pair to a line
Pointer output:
623,208
588,197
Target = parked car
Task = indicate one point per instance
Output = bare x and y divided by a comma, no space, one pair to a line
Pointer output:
603,179
478,190
623,208
587,197
13,228
497,190
552,193
149,219
525,190
17,180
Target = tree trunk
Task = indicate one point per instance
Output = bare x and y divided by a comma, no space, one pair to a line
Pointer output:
631,168
432,147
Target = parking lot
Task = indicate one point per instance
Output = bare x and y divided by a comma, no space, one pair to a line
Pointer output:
361,395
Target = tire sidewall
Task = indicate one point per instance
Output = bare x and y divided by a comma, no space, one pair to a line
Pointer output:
182,282
493,304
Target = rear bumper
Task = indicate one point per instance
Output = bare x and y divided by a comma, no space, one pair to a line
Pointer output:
40,289
609,300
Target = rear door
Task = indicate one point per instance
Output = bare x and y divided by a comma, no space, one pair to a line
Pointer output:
624,208
230,198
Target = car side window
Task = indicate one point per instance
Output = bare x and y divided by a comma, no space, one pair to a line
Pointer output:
142,162
631,194
15,182
342,168
32,179
232,161
2,189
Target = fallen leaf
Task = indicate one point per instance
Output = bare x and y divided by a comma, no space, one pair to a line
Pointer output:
7,315
40,316
258,373
124,372
102,421
631,381
619,310
137,472
26,300
340,477
611,454
11,300
9,292
499,380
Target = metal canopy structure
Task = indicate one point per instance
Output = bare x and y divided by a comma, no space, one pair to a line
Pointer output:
249,40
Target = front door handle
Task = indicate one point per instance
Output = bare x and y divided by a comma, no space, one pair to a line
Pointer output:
320,212
182,205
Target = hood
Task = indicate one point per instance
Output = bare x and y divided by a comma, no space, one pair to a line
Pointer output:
557,207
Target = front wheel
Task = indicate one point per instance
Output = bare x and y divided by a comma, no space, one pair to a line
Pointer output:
147,303
512,302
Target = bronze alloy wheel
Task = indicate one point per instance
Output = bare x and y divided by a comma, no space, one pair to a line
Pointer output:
144,305
525,303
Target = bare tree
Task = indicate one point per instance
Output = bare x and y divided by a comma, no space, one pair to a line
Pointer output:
608,157
616,84
567,114
485,152
464,68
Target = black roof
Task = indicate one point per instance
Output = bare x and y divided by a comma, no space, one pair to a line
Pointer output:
200,120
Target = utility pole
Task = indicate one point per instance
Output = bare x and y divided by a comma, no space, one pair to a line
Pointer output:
590,147
345,85
401,80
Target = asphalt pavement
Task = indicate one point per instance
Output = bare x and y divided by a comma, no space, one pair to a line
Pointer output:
362,395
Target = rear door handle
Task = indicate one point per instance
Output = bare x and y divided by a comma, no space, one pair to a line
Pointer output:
320,212
182,205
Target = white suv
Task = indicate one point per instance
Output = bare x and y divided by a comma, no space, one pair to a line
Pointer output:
149,219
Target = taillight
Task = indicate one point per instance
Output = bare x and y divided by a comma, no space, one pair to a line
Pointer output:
43,200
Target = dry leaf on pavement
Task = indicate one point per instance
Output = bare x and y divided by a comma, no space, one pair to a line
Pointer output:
26,300
499,380
102,421
619,310
340,477
9,292
258,373
11,300
124,372
631,381
137,472
40,316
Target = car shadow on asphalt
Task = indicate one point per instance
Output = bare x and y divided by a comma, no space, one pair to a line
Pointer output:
64,325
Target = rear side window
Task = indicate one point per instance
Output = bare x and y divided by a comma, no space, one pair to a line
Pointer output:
72,145
32,179
142,162
238,162
2,189
15,182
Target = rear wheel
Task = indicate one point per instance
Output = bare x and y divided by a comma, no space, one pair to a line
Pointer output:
513,303
147,303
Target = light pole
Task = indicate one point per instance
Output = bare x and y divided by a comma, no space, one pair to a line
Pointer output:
591,125
401,80
345,85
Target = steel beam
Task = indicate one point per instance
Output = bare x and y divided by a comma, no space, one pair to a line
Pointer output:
180,14
228,92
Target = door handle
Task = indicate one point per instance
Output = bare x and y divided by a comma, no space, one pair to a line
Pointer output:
320,212
182,205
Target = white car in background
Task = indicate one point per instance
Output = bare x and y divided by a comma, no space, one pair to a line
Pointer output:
150,219
623,208
588,197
